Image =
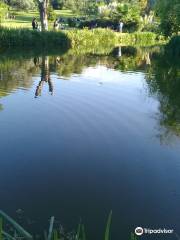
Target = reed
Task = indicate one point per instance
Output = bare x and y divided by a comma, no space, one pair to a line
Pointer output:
84,39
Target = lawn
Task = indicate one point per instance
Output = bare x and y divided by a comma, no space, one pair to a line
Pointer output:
65,13
24,19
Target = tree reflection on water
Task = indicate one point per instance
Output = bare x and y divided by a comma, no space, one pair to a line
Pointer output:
162,74
45,75
164,81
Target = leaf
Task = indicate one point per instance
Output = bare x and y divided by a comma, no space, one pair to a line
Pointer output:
108,226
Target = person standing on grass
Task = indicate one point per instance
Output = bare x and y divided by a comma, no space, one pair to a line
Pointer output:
56,24
121,24
34,24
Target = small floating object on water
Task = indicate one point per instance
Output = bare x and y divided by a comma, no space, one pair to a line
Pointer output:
19,211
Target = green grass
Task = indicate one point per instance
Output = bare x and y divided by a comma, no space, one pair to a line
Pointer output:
33,39
84,41
24,19
105,39
65,13
140,39
79,234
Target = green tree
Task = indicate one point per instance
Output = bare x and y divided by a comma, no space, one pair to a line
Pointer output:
75,5
51,13
22,4
3,10
169,13
57,4
164,82
129,13
90,8
143,4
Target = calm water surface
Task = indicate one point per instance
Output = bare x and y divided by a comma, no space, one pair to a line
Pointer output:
83,135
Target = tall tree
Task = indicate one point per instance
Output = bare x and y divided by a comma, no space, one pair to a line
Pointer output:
3,10
22,4
43,10
169,13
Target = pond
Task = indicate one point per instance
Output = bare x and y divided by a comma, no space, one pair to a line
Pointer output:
82,135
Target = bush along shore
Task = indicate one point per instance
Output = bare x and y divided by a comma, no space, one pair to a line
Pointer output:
174,46
33,39
96,38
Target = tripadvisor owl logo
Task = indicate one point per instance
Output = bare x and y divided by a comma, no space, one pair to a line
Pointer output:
139,231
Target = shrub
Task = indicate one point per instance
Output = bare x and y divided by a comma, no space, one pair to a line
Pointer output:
92,38
101,40
109,23
30,38
174,46
51,13
139,38
100,23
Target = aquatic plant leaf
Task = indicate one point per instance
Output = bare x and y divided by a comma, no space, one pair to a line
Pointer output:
108,226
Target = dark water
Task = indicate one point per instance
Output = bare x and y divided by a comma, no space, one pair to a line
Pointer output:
82,135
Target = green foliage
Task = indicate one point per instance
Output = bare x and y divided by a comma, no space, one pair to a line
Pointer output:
91,8
140,39
1,238
86,40
108,226
174,46
3,10
100,23
163,80
23,4
133,237
169,13
143,4
104,38
75,5
92,39
84,7
129,14
57,4
80,234
32,39
51,13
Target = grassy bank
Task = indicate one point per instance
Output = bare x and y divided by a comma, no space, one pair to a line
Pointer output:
23,19
97,39
106,37
140,39
33,39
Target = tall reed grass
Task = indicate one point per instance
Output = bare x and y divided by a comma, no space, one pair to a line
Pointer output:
84,39
32,39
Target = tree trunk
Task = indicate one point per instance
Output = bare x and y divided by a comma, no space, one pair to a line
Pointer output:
43,10
45,77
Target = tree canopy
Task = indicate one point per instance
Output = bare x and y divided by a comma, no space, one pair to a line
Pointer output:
21,4
169,13
3,9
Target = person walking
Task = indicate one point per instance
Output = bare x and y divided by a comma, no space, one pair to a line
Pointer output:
34,24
